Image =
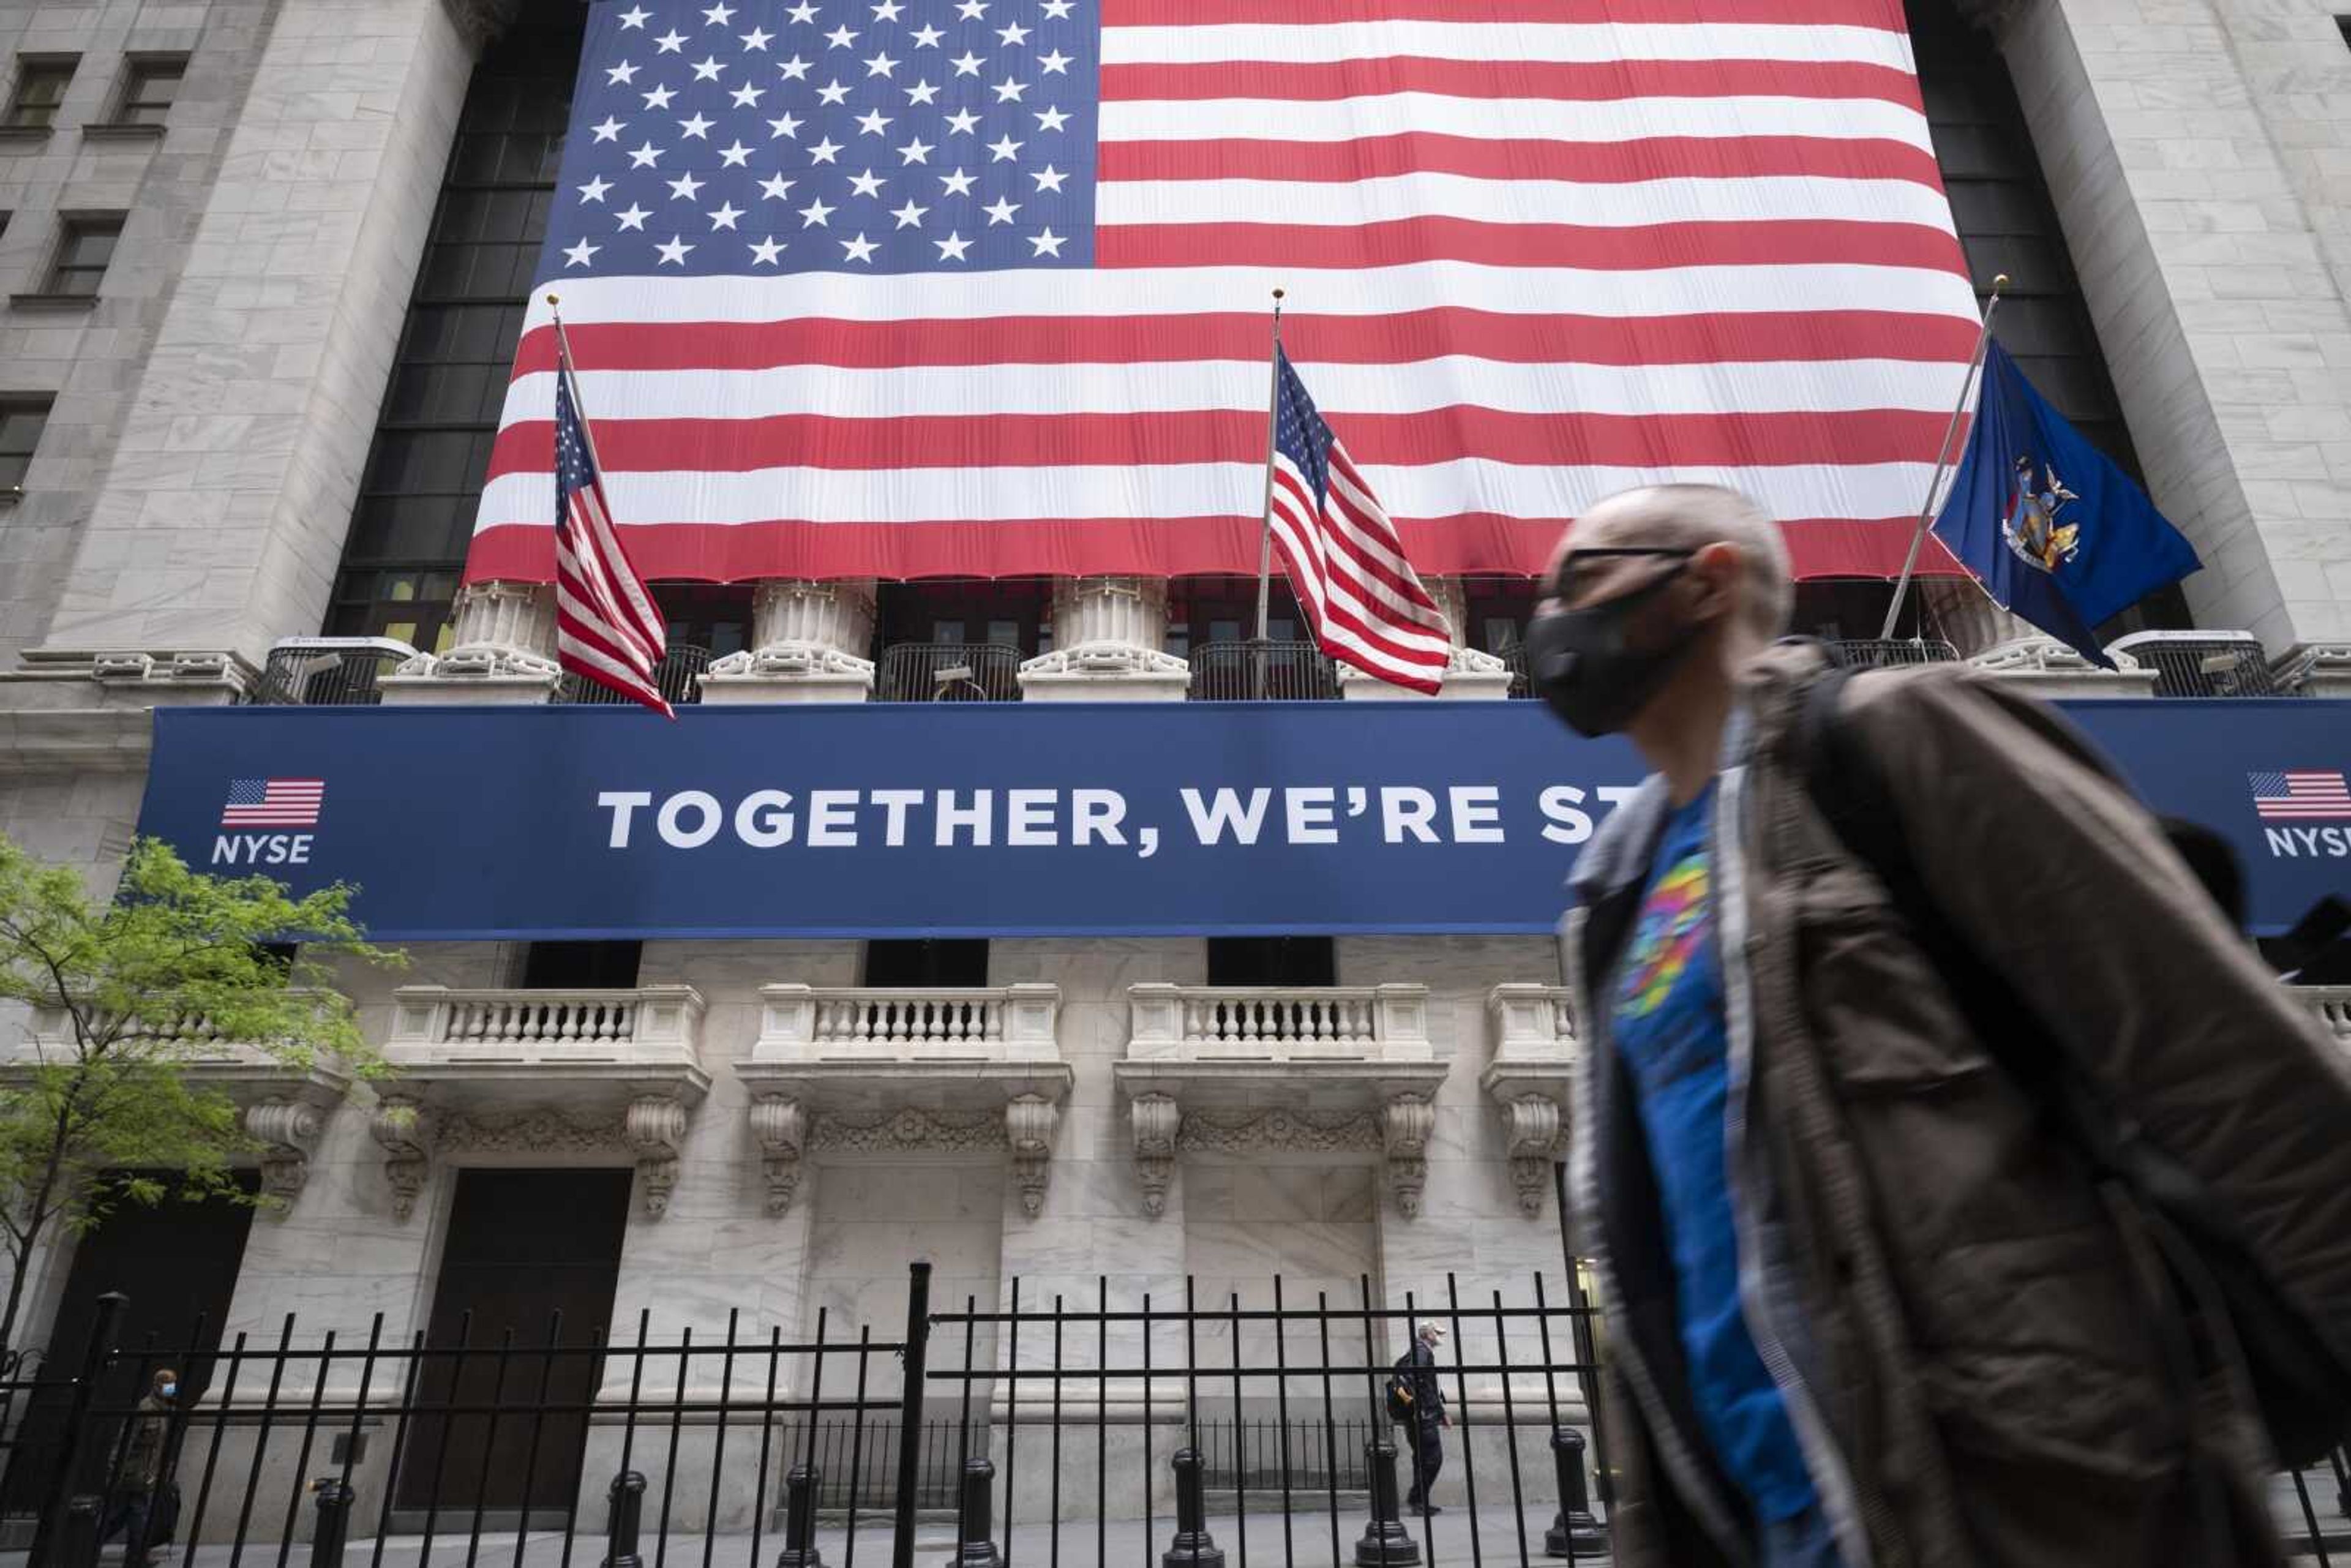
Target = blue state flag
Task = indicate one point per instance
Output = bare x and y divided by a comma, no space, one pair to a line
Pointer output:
2053,530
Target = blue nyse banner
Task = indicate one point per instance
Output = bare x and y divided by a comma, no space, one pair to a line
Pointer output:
897,820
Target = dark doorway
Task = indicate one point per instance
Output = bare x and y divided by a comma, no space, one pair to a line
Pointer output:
1272,961
176,1263
928,963
581,965
524,1246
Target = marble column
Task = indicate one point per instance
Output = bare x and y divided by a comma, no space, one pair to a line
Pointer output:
504,651
809,645
1108,646
1469,676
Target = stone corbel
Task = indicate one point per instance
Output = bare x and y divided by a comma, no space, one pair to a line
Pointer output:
403,1129
781,1127
287,1131
1405,1123
1533,1144
1156,1120
654,1126
1029,1123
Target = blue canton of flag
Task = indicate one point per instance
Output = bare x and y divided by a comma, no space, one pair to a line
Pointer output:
902,136
1299,431
2050,527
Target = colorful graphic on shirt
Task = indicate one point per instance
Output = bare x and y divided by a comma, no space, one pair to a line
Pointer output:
1673,925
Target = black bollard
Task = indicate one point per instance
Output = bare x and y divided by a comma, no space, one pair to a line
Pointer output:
628,1502
800,1520
974,1547
1574,1531
1385,1544
79,1533
334,1522
1193,1546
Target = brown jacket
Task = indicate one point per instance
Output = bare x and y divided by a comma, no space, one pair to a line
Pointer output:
1979,1357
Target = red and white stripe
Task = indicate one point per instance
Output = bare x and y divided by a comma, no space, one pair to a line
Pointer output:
1536,251
2309,793
606,627
1348,569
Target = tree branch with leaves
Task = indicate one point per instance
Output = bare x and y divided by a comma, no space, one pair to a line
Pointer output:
102,1099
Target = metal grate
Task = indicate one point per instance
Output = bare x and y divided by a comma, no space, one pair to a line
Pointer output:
322,672
1514,659
949,673
1262,672
2202,664
1892,653
679,676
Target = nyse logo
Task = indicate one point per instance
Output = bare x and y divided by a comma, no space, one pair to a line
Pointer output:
264,810
2301,809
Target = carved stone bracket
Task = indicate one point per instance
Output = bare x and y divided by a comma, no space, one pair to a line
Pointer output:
1156,1124
781,1127
1029,1123
654,1126
287,1131
403,1129
1405,1123
1537,1131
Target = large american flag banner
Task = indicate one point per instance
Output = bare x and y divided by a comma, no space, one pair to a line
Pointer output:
910,287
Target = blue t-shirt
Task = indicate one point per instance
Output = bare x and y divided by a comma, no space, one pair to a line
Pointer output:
1668,1026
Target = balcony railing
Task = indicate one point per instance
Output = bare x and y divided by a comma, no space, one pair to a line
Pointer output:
678,677
949,673
1262,672
2333,1006
1533,1024
1266,1023
433,1025
322,672
2203,663
1009,1023
1892,653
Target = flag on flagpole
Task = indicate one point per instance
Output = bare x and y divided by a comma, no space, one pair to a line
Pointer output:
1361,595
606,628
2050,527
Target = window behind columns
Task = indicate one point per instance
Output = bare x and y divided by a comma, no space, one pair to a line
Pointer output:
417,495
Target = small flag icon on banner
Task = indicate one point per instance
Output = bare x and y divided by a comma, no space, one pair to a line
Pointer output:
2302,796
274,802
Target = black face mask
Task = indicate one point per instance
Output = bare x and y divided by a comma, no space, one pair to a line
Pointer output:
1577,660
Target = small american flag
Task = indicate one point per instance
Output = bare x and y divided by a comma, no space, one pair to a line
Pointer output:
274,802
1359,592
2303,794
606,628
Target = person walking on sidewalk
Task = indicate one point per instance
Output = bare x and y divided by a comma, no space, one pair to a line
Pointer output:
139,1477
1871,1303
1423,1427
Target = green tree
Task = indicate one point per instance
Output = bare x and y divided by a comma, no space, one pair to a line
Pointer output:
126,994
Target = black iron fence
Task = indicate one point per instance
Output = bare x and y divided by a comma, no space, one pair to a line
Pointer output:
949,673
677,675
1077,1420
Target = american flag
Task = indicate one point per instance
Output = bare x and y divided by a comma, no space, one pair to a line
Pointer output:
910,287
2303,794
606,628
1344,561
274,802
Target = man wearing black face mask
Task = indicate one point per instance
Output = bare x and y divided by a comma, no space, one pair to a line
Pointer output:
1868,1305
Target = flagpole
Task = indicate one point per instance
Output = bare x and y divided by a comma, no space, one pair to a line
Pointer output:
1265,535
1942,460
571,381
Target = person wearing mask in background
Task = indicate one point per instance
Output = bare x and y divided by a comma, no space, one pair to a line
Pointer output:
1424,1424
1868,1305
139,1477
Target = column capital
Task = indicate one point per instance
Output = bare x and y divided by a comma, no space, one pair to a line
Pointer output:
1107,637
809,642
503,651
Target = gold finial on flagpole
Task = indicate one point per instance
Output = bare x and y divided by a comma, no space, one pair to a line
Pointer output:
552,299
1999,283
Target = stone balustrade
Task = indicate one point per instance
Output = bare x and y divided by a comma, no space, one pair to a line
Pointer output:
1533,1024
2333,1006
1009,1023
649,1026
1252,1023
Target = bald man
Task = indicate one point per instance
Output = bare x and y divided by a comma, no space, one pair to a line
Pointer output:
1868,1307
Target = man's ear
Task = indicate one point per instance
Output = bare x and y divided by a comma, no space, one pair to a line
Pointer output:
1714,574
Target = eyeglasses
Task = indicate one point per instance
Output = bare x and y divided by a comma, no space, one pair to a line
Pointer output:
1563,581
